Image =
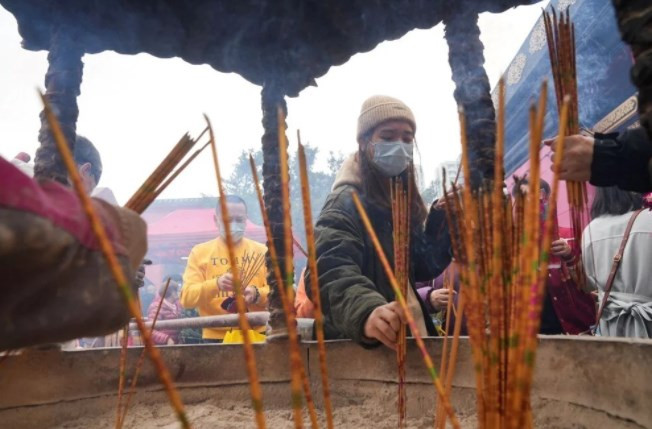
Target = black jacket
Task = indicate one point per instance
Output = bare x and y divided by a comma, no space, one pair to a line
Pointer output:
351,278
623,160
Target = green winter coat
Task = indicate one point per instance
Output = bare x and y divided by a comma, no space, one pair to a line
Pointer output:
351,277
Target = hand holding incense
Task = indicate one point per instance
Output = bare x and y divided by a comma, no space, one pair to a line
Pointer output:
400,298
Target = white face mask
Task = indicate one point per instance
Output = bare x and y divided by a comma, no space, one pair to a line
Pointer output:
392,158
237,230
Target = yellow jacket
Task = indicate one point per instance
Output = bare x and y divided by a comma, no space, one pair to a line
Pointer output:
207,262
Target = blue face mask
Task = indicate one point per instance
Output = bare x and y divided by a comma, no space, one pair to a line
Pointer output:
392,158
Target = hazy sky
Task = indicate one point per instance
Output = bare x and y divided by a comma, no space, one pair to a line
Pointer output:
134,108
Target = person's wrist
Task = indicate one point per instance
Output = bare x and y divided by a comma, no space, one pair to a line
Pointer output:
606,161
622,160
429,299
569,259
256,294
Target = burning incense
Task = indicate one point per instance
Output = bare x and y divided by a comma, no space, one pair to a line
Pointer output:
295,363
560,35
250,358
537,292
314,281
503,263
400,298
112,260
141,360
288,307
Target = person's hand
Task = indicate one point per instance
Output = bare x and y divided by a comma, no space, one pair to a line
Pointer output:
170,342
440,203
139,278
384,323
225,282
560,248
439,298
577,157
250,295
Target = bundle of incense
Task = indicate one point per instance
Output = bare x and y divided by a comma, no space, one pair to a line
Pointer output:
503,264
250,358
400,204
156,182
400,298
288,307
314,284
251,264
451,361
141,359
150,198
560,35
116,270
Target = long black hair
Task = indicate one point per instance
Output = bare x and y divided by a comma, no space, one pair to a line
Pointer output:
614,201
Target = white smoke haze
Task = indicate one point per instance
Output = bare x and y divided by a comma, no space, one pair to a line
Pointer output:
134,108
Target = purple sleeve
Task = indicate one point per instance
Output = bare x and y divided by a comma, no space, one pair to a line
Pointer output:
424,294
439,281
160,338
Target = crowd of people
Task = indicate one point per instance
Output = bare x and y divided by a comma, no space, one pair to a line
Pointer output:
598,286
615,300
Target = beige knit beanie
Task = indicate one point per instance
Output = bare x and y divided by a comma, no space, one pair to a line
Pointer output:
380,108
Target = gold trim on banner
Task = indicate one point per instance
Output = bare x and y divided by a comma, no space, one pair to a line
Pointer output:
617,116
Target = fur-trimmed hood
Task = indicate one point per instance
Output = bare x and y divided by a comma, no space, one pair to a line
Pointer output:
349,173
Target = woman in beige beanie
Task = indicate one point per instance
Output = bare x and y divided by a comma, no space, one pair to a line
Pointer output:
357,298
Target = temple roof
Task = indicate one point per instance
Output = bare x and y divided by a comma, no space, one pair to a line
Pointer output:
288,42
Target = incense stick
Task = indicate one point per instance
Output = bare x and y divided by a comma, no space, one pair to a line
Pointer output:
288,307
122,370
250,267
314,284
400,200
503,264
141,360
538,289
312,411
147,200
560,37
295,369
408,314
443,367
250,358
109,254
160,173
